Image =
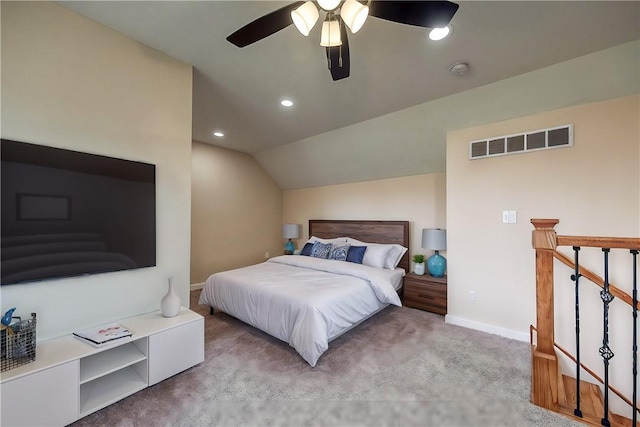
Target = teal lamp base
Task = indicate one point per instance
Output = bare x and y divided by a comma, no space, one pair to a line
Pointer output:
437,265
289,248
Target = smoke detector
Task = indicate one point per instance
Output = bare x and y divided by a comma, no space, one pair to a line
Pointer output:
459,68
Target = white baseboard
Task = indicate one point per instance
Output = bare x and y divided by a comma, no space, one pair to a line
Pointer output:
484,327
196,286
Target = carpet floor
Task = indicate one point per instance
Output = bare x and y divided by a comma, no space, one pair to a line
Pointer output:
403,367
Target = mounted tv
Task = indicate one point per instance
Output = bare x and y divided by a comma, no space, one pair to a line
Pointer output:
67,213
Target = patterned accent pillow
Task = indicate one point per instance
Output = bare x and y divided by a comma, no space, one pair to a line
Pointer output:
339,252
321,250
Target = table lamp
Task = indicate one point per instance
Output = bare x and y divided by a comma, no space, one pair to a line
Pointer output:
290,231
435,239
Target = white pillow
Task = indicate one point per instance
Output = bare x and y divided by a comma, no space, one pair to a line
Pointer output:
391,253
399,251
376,256
338,240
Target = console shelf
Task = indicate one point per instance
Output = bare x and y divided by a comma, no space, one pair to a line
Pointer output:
108,361
71,379
108,389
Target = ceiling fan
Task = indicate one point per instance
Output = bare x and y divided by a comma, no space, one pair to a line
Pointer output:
340,14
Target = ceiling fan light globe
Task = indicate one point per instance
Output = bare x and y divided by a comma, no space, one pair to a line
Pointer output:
328,5
305,17
354,14
330,34
440,33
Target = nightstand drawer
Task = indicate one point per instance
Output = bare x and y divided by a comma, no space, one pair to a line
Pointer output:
426,300
425,293
430,288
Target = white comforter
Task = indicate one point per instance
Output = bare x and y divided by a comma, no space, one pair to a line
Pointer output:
301,300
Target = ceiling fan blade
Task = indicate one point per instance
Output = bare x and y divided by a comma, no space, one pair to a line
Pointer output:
264,26
338,56
430,14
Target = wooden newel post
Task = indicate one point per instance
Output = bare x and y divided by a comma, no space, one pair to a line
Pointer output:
544,367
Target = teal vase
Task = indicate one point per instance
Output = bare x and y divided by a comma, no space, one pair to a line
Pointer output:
437,265
289,248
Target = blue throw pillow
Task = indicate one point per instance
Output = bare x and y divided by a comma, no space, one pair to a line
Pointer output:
356,254
306,250
320,250
338,252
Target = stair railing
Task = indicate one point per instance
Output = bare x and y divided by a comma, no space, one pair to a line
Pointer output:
544,377
586,368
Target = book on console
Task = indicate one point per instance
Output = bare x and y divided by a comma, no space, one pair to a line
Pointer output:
103,335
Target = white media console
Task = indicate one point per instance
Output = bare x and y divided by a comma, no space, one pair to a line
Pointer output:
71,379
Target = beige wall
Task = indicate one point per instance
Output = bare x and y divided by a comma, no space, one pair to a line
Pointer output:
72,83
236,212
419,199
591,187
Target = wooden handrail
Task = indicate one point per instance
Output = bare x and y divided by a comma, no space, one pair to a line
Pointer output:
615,291
599,242
583,366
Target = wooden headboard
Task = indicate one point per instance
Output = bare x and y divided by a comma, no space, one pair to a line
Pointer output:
365,231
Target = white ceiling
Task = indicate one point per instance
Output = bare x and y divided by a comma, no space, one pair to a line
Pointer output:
393,66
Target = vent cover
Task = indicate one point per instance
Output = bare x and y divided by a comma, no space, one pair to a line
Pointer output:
542,139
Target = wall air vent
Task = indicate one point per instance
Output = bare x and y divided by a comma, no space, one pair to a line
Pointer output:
542,139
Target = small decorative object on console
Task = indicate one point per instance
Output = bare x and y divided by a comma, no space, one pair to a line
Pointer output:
8,317
18,342
103,335
170,304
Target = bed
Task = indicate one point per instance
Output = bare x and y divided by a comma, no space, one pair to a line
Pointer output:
307,301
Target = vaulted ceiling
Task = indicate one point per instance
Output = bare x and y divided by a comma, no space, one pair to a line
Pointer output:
393,67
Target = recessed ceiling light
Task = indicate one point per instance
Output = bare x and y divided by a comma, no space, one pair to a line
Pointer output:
286,103
218,134
441,33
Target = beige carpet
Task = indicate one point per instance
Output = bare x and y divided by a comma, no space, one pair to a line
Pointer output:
404,367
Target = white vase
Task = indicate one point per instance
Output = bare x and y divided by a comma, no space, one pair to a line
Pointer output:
170,304
419,268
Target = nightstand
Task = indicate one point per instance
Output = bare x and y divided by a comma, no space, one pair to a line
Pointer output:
425,292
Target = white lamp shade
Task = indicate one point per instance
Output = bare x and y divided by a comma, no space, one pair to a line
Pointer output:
354,14
328,4
291,231
330,34
305,17
434,239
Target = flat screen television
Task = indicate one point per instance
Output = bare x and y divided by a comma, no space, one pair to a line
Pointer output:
67,213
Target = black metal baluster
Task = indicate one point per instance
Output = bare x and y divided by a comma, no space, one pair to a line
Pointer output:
634,253
605,351
576,278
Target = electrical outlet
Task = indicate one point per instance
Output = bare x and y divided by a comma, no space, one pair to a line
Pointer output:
266,255
472,295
